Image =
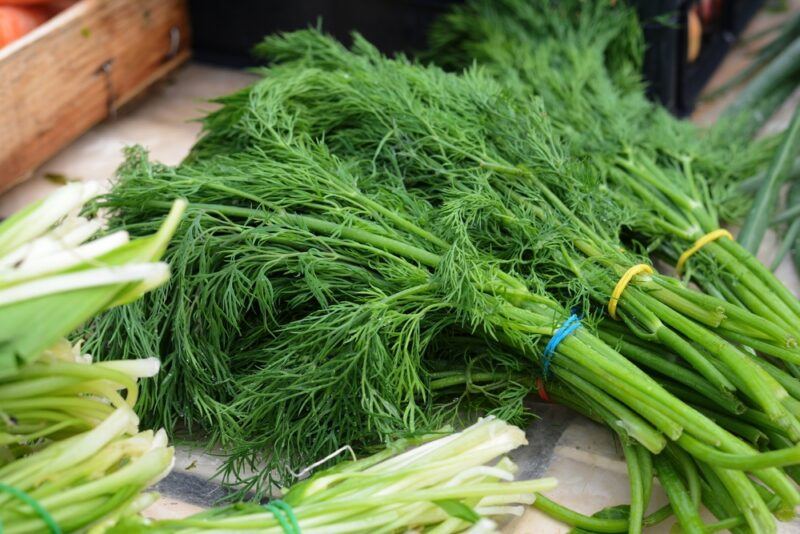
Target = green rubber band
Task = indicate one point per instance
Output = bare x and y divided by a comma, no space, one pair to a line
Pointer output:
287,509
287,529
34,504
283,511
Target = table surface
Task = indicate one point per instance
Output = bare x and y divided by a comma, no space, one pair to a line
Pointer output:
583,456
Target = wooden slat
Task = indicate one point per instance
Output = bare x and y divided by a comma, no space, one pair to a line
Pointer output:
77,69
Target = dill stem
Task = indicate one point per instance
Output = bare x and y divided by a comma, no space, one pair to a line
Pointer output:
732,522
710,316
762,273
746,431
646,473
697,424
752,300
747,499
750,273
786,380
624,419
682,347
663,186
715,496
549,195
734,317
595,524
402,222
682,461
356,234
312,223
460,378
653,360
782,306
680,501
699,210
660,417
762,387
637,489
750,462
653,199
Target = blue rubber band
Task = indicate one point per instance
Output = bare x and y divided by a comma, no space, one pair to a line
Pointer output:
283,511
563,332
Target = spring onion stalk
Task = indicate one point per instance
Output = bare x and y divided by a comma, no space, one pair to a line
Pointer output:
789,214
52,278
784,67
755,225
71,442
792,231
72,456
454,483
787,32
753,184
789,243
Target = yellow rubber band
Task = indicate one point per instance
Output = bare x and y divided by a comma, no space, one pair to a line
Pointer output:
700,243
623,283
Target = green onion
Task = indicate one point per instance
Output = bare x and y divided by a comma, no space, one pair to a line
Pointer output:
782,68
758,219
453,483
72,456
51,280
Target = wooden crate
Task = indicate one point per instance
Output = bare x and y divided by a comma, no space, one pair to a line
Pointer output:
78,69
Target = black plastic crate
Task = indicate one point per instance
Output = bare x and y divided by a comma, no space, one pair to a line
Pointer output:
674,80
225,32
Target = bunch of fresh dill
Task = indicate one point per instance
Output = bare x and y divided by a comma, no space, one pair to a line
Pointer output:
276,316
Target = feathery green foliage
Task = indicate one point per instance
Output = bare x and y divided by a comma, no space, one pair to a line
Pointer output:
345,311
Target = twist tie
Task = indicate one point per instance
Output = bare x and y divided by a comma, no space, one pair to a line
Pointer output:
540,389
34,504
285,515
623,283
562,333
700,243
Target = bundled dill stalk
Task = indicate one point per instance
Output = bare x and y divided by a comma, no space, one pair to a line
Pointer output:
581,63
71,453
443,483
